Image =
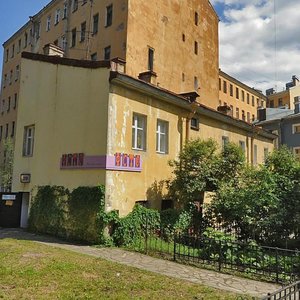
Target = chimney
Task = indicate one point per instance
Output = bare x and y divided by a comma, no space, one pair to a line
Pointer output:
270,92
225,109
261,114
295,80
148,76
297,105
53,50
118,65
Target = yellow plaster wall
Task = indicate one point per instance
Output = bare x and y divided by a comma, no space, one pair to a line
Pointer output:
68,107
124,188
210,128
160,25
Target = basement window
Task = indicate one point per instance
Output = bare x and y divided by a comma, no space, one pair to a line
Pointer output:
195,124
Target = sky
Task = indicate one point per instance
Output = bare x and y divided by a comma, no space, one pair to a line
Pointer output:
259,39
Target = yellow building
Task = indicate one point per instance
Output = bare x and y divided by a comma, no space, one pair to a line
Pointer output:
176,40
286,98
87,123
239,100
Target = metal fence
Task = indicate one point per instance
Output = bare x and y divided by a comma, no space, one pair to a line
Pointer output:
273,264
290,292
268,263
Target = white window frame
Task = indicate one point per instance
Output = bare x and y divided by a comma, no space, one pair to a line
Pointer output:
65,10
295,151
17,74
162,132
48,23
28,140
136,130
294,128
57,16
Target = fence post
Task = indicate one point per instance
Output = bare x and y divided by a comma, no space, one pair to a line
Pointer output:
146,236
220,255
277,266
174,250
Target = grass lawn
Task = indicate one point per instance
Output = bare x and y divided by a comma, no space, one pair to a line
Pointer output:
33,271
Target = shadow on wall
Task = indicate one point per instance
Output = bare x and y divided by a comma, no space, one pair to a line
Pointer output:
156,193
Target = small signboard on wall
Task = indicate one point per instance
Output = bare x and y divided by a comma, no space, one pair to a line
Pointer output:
25,178
8,197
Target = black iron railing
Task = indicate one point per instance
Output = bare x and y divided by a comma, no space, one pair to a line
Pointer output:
290,292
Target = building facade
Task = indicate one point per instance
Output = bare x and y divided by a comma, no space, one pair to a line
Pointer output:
285,123
176,40
84,123
238,99
285,98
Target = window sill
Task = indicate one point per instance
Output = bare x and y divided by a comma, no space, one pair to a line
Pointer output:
137,149
195,128
162,153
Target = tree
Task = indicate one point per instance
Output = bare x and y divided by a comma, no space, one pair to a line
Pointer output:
6,169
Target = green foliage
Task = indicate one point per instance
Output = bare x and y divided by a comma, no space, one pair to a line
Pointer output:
132,228
193,171
58,212
263,202
6,169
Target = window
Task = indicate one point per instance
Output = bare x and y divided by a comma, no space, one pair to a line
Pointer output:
12,129
237,93
107,51
183,37
237,113
253,118
19,45
195,123
150,59
253,104
37,30
296,128
25,39
183,77
95,23
248,98
48,23
271,103
280,102
225,141
196,19
17,72
231,90
196,48
4,80
162,133
225,87
243,115
139,127
63,42
3,106
248,117
255,155
109,15
297,152
28,141
83,30
243,96
75,5
73,41
242,145
1,132
196,83
15,101
220,84
8,106
12,51
6,130
94,56
65,11
57,16
10,76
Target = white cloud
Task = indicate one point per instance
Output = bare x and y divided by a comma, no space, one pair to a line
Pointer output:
248,38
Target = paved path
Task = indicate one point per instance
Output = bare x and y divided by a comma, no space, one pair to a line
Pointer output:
209,278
